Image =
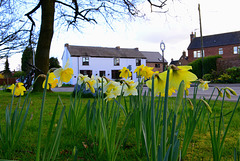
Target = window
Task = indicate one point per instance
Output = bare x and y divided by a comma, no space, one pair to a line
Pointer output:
157,65
236,50
85,61
220,51
116,61
115,74
138,62
86,72
102,73
197,54
194,54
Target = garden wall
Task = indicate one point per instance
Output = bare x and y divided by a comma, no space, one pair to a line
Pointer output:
8,81
223,64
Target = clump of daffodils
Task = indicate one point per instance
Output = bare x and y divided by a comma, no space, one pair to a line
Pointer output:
127,86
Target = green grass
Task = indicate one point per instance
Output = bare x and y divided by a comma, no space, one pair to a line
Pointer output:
199,148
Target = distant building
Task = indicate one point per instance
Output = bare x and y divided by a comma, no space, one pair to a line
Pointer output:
101,61
183,60
154,59
226,45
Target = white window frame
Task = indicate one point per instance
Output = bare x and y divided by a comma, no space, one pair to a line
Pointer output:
220,51
236,50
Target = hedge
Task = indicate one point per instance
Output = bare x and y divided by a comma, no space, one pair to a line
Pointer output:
209,64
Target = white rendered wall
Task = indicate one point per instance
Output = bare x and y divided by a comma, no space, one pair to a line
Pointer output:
97,64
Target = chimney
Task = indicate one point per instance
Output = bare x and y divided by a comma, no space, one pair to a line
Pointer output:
66,45
184,54
192,36
136,49
118,47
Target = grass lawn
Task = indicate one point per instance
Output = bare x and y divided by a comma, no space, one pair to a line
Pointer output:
199,148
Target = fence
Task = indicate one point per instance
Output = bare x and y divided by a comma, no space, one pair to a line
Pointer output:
8,81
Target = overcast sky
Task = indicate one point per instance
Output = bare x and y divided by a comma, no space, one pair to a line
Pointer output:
173,28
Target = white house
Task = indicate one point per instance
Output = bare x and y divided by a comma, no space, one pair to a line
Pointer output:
101,61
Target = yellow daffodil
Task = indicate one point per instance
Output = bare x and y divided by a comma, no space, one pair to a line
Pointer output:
64,74
99,82
144,71
147,72
129,88
203,84
112,90
82,79
177,74
138,70
90,84
19,89
51,81
125,73
159,85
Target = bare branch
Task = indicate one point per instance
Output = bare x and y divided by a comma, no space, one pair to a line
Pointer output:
32,21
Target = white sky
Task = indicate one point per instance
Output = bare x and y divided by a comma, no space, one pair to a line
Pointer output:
173,27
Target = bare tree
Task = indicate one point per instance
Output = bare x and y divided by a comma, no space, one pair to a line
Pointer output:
72,14
14,34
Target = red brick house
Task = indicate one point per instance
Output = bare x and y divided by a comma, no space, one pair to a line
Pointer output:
183,60
226,45
155,60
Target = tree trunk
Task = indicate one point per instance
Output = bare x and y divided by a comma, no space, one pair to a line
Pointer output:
45,39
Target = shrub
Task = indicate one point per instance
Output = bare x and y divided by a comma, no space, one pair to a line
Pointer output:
197,67
19,74
209,64
1,76
225,78
234,72
208,77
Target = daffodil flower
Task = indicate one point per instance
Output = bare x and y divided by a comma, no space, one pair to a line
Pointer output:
144,71
129,88
51,81
147,72
112,90
125,73
138,70
159,85
99,82
203,85
179,73
82,79
90,83
19,89
64,74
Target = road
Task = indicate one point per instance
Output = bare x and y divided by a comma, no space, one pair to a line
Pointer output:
200,94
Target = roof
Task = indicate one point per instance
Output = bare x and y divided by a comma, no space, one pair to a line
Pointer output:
230,38
153,57
78,51
174,62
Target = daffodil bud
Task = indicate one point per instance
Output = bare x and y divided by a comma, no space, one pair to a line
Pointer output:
207,105
231,90
191,104
228,94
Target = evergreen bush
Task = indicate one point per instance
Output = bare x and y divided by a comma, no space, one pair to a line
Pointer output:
209,64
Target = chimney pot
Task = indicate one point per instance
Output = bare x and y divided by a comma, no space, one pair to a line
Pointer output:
192,36
66,45
118,47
